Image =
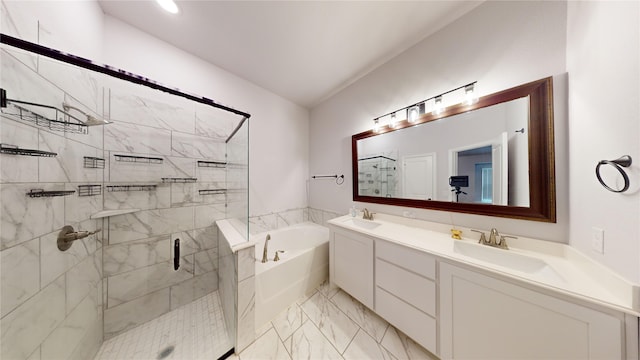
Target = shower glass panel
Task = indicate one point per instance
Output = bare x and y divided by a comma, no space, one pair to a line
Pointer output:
151,184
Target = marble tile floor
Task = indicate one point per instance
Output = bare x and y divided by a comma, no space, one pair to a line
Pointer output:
195,331
330,324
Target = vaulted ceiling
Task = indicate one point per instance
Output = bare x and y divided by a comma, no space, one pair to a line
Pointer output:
304,51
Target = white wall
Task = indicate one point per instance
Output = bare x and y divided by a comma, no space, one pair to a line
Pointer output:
278,131
603,61
71,26
499,44
278,127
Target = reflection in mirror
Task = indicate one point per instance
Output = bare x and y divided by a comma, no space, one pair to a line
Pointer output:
377,175
482,145
494,157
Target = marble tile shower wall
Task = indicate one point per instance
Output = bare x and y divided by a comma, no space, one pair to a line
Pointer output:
51,301
141,282
262,223
63,304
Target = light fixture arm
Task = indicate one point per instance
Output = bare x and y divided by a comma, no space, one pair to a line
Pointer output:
466,87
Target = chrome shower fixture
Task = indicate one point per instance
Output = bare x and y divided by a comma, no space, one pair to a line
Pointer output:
91,120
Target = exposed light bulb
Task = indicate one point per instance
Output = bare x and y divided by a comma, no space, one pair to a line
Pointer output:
376,126
169,6
470,94
413,114
438,107
393,122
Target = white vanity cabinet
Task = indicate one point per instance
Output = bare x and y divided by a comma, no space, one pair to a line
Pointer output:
351,264
458,309
405,291
485,318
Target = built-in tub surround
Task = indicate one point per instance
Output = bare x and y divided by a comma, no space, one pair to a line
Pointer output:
282,219
261,291
237,291
303,252
561,268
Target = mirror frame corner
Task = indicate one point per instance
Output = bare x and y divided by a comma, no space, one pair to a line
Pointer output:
542,186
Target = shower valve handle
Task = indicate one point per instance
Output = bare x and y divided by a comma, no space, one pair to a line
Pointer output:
67,236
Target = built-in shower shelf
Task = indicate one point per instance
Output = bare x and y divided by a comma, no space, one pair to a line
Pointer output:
107,213
133,187
214,164
138,159
14,150
91,162
179,180
41,193
58,120
89,190
212,191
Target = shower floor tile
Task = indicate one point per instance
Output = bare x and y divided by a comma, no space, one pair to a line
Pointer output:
193,331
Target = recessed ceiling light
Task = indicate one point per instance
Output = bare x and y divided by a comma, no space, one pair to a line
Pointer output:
169,5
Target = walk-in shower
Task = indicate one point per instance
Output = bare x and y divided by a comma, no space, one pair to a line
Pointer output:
108,242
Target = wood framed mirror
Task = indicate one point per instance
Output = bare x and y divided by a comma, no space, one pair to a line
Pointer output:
494,157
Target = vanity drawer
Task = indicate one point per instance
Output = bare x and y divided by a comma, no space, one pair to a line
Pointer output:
408,258
406,285
413,322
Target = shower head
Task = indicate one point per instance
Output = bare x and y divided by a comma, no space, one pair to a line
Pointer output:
91,120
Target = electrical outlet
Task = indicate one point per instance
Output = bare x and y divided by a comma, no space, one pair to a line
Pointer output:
597,240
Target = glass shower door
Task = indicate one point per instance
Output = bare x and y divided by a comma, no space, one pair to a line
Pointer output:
131,180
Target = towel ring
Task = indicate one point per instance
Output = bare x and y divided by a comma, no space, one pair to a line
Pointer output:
624,161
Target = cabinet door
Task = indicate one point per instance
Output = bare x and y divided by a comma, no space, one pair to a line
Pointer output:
353,265
485,318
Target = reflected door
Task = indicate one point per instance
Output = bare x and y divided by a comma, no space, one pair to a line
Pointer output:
418,176
500,169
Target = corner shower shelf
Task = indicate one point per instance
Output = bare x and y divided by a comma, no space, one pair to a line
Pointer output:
131,187
214,164
138,159
14,150
212,191
11,110
34,193
91,162
179,180
107,213
89,190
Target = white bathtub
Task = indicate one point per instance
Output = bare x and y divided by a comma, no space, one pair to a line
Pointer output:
303,266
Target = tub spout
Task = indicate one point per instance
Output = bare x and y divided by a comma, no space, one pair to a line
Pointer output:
264,252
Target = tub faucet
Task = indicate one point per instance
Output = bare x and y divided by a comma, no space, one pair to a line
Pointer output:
264,252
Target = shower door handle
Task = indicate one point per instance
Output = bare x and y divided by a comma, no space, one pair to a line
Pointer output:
176,254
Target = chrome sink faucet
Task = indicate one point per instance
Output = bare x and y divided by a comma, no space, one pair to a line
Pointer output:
493,239
264,251
367,215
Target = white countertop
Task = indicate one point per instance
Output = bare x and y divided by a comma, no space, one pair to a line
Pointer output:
566,270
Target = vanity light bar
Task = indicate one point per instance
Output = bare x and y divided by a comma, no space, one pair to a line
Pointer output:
414,111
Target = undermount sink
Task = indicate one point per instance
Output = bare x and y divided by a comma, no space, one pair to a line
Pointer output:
363,224
507,259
